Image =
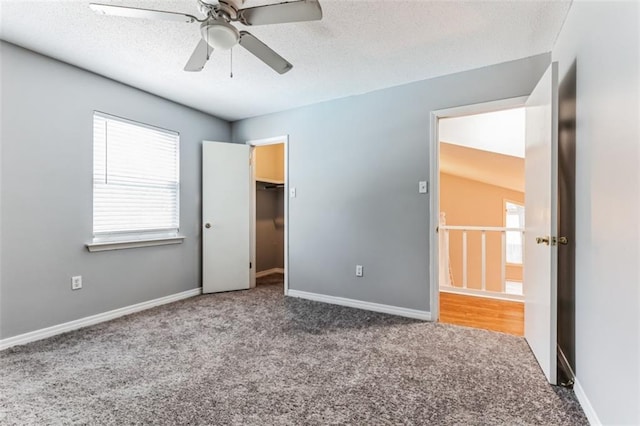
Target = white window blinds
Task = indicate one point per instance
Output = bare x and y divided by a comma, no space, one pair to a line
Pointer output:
135,178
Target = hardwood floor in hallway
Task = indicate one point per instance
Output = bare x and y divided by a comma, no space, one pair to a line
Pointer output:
481,312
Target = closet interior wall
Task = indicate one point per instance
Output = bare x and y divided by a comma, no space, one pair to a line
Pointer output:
269,163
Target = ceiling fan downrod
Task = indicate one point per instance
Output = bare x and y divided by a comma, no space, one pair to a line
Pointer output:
227,10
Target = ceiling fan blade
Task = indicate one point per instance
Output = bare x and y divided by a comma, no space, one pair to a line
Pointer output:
199,57
264,53
294,11
134,12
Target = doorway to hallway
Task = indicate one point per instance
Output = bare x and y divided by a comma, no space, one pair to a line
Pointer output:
481,226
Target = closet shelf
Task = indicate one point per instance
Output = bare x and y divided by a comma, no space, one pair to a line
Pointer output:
267,180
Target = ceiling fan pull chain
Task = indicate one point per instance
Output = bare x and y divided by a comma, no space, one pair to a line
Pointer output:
231,63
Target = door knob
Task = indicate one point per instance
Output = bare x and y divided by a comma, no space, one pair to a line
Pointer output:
563,240
207,225
542,240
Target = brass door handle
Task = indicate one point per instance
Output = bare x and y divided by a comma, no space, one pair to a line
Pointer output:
554,241
542,240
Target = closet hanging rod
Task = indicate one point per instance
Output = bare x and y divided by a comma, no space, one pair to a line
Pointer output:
273,186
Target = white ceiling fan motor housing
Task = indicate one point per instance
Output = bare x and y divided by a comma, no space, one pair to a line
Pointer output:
219,34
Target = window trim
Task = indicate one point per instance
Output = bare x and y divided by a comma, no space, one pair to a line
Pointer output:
131,243
107,241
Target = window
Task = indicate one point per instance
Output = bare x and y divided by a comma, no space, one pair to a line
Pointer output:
514,218
136,180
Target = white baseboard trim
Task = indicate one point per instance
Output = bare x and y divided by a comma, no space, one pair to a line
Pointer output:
367,306
269,272
588,409
43,333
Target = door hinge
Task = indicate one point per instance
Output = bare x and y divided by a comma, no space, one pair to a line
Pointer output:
250,265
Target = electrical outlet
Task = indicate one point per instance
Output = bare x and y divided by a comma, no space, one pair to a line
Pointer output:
76,282
358,270
423,188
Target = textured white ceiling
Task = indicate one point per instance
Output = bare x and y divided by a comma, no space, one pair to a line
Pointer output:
358,47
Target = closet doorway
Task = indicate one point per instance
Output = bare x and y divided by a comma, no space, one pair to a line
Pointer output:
269,212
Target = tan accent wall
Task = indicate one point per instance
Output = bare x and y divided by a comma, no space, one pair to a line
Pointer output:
472,203
482,166
269,162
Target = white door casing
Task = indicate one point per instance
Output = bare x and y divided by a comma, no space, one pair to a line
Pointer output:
541,192
226,192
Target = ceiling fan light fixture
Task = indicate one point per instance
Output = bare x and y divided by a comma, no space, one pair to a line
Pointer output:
219,34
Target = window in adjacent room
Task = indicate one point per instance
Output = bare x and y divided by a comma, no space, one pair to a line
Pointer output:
136,184
514,218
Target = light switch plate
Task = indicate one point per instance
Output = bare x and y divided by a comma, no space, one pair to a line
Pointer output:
422,187
292,192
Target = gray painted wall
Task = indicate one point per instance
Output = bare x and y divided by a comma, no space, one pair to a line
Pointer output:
603,38
269,228
46,201
356,163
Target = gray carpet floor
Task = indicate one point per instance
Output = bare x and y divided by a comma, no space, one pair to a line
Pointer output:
256,357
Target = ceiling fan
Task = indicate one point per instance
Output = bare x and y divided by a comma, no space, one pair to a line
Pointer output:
217,31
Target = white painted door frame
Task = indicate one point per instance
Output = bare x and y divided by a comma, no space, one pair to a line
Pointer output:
260,142
434,171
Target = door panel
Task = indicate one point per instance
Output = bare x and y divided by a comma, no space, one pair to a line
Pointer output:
540,270
226,195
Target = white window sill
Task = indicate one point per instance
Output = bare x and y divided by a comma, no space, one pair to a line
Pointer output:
127,244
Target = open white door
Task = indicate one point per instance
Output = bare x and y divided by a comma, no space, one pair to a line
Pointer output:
226,195
541,193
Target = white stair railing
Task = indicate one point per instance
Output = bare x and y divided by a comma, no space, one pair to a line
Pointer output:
483,255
